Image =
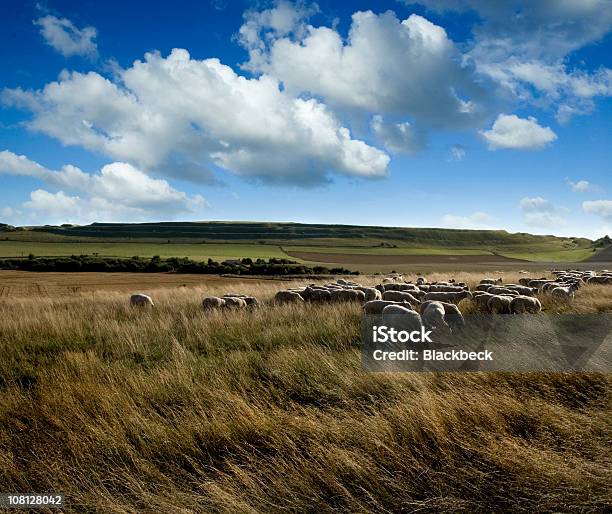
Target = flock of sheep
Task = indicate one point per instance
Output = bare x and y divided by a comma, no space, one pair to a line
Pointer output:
432,304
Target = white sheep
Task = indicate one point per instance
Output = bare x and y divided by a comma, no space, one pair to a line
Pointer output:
141,300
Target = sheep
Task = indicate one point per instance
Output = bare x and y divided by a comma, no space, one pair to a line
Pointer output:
232,302
318,296
370,293
502,291
482,299
601,279
496,281
213,302
288,297
377,306
399,296
445,288
251,301
450,296
499,304
141,300
564,293
522,290
484,287
452,315
521,304
433,316
402,318
347,295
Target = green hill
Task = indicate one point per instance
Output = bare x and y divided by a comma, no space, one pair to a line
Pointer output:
259,239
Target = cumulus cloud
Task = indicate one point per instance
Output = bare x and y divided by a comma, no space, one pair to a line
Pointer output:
407,68
205,113
582,186
477,220
397,137
510,131
66,38
540,213
119,192
602,208
523,46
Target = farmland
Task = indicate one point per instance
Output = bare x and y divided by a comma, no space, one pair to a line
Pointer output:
178,410
359,248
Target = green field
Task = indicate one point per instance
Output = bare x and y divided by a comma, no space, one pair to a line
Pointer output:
218,252
230,240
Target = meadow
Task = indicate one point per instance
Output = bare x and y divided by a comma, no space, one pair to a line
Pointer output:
358,247
173,409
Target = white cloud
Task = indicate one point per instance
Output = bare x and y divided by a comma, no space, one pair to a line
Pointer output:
510,131
397,137
477,220
6,212
540,213
204,112
582,186
541,28
523,45
456,153
66,38
386,66
602,208
536,204
118,192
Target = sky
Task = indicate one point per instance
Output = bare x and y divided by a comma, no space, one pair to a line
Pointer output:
437,113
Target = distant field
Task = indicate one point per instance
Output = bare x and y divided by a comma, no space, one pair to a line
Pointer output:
363,247
217,252
384,251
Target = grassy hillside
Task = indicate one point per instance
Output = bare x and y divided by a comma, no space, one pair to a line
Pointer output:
222,240
174,410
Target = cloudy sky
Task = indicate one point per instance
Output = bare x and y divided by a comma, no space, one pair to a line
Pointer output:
451,113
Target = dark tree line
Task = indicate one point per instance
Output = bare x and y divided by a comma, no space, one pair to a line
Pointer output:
156,264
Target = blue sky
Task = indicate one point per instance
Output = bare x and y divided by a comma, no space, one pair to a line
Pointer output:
452,113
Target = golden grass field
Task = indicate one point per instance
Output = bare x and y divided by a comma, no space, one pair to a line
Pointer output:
176,410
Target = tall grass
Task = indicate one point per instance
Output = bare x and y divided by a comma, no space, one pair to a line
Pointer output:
177,410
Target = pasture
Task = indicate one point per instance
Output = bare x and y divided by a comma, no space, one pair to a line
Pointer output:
175,409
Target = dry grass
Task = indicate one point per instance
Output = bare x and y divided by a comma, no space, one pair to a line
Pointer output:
175,410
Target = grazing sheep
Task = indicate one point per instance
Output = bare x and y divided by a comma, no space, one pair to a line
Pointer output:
502,291
141,300
521,304
377,306
452,315
347,295
288,297
213,302
316,295
433,316
370,293
482,299
231,302
445,288
600,279
400,296
402,317
499,304
484,287
522,290
251,301
564,293
450,296
495,281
